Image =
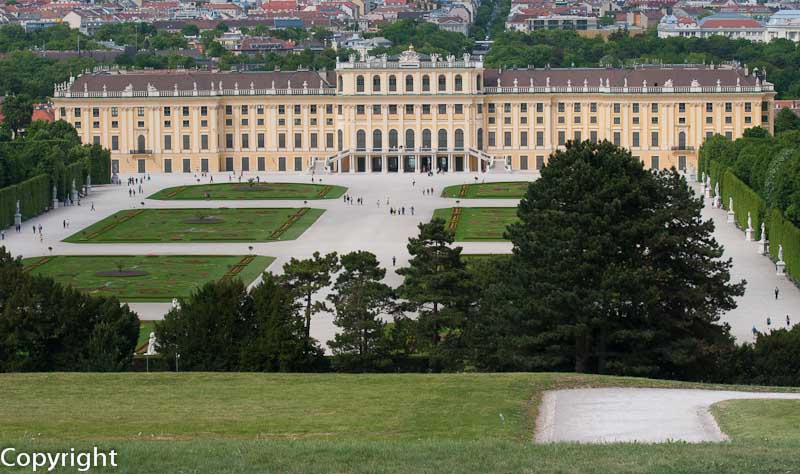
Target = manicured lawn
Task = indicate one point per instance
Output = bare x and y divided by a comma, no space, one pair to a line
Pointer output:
199,225
334,423
503,190
478,224
244,191
473,258
754,420
146,278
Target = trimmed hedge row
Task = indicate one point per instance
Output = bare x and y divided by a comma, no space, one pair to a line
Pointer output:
781,231
76,171
33,195
745,201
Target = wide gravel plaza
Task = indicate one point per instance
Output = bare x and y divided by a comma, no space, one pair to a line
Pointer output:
344,228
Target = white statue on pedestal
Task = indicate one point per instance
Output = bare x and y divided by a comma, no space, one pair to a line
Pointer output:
749,221
763,232
151,344
780,253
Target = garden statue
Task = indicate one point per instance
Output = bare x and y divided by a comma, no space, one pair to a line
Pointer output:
151,344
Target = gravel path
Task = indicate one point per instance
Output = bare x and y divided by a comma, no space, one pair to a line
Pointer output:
645,415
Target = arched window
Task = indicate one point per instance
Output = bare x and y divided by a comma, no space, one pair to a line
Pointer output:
377,140
682,140
409,83
478,82
426,83
360,84
341,84
459,139
442,83
392,83
459,83
140,144
361,140
410,139
376,83
441,139
480,139
339,139
393,139
426,139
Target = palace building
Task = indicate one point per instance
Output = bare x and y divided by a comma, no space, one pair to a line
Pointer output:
406,114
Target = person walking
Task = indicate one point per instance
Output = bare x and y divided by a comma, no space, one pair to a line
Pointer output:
412,210
755,331
777,292
788,321
769,322
92,209
2,235
394,261
64,224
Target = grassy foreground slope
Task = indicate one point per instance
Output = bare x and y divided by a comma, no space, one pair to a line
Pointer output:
294,423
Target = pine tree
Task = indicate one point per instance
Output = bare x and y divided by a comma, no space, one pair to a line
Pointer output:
359,298
613,271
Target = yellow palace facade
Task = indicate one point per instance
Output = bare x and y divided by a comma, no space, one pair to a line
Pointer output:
406,114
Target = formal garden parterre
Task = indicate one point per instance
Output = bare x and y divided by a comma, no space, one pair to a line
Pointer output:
251,190
477,224
499,190
146,277
199,225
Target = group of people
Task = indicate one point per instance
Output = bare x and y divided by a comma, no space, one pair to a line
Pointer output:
348,199
427,192
400,211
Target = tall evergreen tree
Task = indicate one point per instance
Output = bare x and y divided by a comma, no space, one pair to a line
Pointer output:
439,288
359,298
613,271
308,276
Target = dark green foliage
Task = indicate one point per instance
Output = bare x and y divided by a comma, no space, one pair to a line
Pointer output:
57,37
426,38
439,288
774,359
141,35
223,328
34,196
17,110
305,278
359,299
613,271
45,326
786,120
762,174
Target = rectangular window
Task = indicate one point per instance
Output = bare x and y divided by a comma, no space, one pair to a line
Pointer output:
409,109
492,138
593,136
654,163
228,109
635,107
617,138
635,142
185,111
562,137
204,111
281,163
261,162
228,140
245,163
539,162
426,109
313,140
442,109
282,140
187,142
376,109
245,109
298,163
654,108
709,107
682,107
506,138
360,110
329,140
577,136
168,165
260,140
523,162
167,142
245,140
187,165
539,138
523,139
114,112
298,140
77,111
653,139
114,143
204,142
616,107
728,107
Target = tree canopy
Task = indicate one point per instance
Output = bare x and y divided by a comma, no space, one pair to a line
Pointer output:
613,271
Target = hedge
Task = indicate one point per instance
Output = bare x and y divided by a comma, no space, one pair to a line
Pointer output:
76,171
33,195
744,200
782,231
